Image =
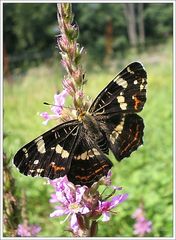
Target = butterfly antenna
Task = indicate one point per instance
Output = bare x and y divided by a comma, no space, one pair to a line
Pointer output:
84,81
50,104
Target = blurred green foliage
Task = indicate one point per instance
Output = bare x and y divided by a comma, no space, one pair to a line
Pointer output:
30,29
146,176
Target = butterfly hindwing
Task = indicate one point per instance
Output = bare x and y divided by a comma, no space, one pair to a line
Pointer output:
124,133
50,154
126,93
89,163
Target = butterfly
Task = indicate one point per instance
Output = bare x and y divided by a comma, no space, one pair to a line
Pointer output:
79,148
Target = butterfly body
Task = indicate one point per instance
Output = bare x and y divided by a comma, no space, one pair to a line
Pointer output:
79,148
94,129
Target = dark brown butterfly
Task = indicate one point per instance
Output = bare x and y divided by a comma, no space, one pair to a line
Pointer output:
79,148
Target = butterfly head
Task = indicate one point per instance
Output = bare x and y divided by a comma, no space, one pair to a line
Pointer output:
80,114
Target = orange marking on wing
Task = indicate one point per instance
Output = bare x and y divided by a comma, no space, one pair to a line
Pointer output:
87,177
57,168
134,139
136,102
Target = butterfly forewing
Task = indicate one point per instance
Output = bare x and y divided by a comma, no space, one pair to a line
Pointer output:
126,93
50,154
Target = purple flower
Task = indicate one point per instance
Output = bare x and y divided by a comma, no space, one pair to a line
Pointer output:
70,199
59,101
142,226
105,207
25,230
83,205
59,183
138,214
107,179
47,117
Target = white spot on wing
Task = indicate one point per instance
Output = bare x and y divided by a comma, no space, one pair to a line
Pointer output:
40,170
26,152
121,82
141,87
64,154
84,155
123,106
117,130
40,144
95,151
120,99
129,70
60,150
90,153
36,161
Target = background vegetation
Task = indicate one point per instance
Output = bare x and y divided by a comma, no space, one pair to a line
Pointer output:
33,74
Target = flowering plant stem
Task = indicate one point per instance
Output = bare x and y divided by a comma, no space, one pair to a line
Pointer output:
71,54
83,206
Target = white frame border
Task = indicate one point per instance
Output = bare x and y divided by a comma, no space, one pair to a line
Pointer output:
174,105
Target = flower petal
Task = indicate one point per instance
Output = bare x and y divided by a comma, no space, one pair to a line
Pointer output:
74,223
44,115
60,98
138,214
106,216
104,206
28,230
53,198
118,199
84,210
58,212
62,198
79,193
48,117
